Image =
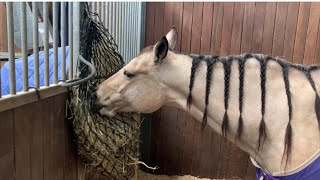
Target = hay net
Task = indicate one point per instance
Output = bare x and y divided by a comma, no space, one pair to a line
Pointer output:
108,146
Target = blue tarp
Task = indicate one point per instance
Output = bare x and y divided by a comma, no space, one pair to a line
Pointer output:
5,75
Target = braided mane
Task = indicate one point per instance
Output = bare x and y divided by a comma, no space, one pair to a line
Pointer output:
263,59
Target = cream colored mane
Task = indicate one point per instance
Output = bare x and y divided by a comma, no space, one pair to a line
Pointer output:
160,76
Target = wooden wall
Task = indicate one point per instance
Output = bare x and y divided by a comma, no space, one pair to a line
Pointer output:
36,142
286,29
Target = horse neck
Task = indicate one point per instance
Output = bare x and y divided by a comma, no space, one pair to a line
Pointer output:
223,108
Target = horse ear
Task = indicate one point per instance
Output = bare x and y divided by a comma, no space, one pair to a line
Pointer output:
160,50
172,38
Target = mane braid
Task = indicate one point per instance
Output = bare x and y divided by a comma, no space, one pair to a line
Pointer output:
227,72
262,127
317,98
210,61
195,63
288,135
241,68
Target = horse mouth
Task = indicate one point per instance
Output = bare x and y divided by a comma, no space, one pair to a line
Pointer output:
110,111
106,112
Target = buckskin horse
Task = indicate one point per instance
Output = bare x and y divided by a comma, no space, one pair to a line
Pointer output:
267,106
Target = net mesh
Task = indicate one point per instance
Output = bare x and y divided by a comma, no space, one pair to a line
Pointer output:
108,146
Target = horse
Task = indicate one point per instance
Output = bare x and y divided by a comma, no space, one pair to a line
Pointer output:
266,106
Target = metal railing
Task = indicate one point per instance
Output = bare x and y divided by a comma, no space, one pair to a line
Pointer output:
126,23
43,39
124,20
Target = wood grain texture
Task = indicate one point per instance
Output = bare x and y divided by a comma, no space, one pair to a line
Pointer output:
247,30
186,27
312,33
207,15
216,28
7,170
226,34
177,22
258,27
237,28
22,138
269,21
48,140
149,24
301,34
291,27
279,28
36,146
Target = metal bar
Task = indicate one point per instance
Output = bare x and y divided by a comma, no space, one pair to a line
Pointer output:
35,44
117,23
10,30
110,17
63,40
136,30
46,43
139,27
76,36
55,42
125,13
23,25
113,20
130,27
121,25
105,14
70,40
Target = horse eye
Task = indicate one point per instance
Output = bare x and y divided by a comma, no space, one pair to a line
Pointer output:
129,75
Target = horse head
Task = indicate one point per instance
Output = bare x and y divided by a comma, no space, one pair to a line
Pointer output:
138,86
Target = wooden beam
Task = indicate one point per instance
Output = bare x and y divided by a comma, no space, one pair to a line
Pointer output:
22,98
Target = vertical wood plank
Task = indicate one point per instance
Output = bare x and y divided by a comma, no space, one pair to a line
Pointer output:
237,28
36,142
268,28
317,55
158,26
291,27
177,22
301,34
149,29
181,122
216,28
226,28
196,27
258,27
22,137
3,29
206,27
206,152
247,27
7,145
48,141
168,17
279,28
71,151
312,33
58,134
186,26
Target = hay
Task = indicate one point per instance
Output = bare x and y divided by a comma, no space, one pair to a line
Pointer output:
109,146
